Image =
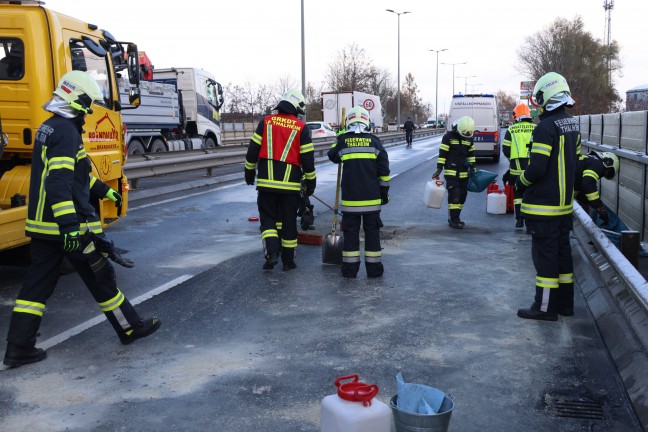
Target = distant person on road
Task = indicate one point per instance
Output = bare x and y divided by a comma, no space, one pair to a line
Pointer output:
365,187
282,152
589,170
457,157
547,189
516,149
62,222
409,131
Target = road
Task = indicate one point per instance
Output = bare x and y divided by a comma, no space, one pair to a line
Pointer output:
241,349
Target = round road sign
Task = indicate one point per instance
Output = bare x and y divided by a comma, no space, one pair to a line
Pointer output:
368,104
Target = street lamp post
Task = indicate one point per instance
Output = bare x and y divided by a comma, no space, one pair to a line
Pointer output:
436,91
453,72
303,52
466,82
398,77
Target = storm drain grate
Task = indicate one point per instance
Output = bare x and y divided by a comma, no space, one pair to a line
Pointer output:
582,408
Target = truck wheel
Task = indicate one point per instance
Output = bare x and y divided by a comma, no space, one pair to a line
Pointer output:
135,147
157,146
210,143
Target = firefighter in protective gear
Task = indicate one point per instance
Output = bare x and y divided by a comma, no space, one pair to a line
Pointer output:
280,153
547,188
516,149
589,170
365,187
60,216
457,157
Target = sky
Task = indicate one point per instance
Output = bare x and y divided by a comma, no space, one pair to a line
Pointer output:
259,41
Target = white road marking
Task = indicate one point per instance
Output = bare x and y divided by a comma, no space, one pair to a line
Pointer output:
212,190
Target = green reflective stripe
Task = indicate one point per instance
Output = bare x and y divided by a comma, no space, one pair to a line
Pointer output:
269,233
287,172
350,253
309,175
544,149
256,138
562,172
360,209
524,181
291,140
50,228
33,308
516,172
455,206
546,282
270,169
349,150
444,147
543,210
441,161
451,173
93,180
94,227
250,165
305,148
517,201
463,174
358,156
269,141
113,303
592,196
279,225
384,178
40,205
360,203
566,278
373,253
81,154
60,162
289,243
351,256
276,184
63,208
591,173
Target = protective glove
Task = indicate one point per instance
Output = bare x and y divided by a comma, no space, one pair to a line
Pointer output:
436,174
249,176
107,248
114,196
71,241
471,167
603,214
384,198
310,186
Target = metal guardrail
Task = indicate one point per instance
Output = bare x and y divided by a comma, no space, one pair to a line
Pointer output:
155,164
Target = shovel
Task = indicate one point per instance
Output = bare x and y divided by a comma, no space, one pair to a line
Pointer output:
333,242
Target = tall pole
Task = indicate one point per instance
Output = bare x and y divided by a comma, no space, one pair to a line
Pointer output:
436,91
453,73
303,53
466,82
398,75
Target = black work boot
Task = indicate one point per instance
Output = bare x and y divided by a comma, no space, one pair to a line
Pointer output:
271,260
519,223
456,224
288,259
566,311
17,355
141,330
537,314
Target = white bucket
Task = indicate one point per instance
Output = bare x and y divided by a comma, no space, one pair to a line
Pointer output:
339,415
434,193
496,202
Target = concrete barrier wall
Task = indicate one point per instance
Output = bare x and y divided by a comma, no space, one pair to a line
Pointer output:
611,129
633,131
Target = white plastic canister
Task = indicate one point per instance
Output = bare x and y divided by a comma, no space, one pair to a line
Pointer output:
496,202
353,409
434,193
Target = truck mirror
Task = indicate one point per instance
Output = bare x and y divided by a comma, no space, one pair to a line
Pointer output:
134,96
133,65
93,46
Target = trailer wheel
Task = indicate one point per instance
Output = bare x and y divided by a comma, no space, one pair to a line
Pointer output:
135,147
210,143
158,146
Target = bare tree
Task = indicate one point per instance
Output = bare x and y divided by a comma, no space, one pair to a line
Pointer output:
410,101
350,71
505,101
565,47
313,98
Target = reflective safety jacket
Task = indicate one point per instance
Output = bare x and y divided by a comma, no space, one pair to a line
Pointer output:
365,171
282,152
517,142
454,155
61,183
589,171
549,178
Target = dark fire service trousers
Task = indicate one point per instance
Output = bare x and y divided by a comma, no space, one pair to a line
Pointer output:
552,258
278,208
457,193
351,251
40,282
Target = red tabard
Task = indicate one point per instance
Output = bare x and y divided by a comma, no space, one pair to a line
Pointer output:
281,131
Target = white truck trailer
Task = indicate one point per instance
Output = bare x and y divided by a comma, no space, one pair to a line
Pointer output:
332,104
179,110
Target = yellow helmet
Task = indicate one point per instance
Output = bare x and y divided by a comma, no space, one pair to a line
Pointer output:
552,91
610,162
358,114
79,90
464,126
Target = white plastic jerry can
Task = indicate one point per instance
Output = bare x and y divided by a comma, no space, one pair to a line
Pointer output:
434,193
496,202
353,409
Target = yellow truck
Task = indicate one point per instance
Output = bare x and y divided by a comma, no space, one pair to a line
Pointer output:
37,47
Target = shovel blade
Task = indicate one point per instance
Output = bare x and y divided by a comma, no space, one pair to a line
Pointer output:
332,245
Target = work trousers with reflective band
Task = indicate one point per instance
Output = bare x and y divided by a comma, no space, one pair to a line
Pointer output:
278,211
517,197
40,282
457,192
552,258
371,224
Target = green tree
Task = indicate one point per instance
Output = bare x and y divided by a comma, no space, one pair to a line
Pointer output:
587,64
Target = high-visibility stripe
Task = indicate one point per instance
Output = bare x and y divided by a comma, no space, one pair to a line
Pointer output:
309,175
545,282
250,165
592,196
275,184
566,278
60,163
305,148
455,206
441,161
93,180
289,144
63,208
50,228
256,138
289,243
369,259
360,202
270,169
269,233
544,210
544,149
81,154
591,173
113,303
350,156
373,253
287,173
444,147
279,225
40,205
351,256
269,141
562,171
33,308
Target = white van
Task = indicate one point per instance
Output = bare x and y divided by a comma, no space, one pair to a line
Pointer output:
482,109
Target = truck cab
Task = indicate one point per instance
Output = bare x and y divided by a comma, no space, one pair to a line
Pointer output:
37,47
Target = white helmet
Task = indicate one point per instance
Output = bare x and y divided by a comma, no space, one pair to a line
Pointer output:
79,90
357,114
464,126
292,99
